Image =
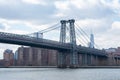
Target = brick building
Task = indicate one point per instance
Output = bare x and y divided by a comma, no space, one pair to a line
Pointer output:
113,56
30,56
8,57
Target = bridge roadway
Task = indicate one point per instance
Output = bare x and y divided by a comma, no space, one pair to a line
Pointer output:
44,43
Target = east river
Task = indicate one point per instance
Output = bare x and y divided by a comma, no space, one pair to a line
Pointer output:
58,74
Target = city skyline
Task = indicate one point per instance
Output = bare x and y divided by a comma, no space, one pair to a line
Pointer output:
27,16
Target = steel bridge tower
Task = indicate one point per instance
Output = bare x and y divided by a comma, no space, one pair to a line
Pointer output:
73,52
62,54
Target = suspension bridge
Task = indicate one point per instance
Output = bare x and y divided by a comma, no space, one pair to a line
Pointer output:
72,42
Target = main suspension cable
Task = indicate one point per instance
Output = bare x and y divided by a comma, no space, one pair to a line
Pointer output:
46,30
87,37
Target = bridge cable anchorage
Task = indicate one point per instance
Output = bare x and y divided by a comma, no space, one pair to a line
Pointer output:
47,29
87,37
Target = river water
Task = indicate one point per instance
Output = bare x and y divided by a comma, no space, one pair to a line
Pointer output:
58,74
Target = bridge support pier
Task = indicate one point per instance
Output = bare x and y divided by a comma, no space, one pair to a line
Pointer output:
62,60
73,60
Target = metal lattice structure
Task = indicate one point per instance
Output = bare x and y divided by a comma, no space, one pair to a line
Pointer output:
73,54
73,51
62,55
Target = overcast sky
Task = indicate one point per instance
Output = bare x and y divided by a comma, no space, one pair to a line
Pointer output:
102,17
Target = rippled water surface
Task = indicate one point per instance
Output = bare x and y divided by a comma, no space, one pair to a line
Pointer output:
58,74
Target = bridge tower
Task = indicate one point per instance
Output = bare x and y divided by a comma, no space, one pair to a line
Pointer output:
73,52
62,55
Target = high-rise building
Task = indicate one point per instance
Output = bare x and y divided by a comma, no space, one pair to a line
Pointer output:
8,57
23,56
91,44
20,56
15,57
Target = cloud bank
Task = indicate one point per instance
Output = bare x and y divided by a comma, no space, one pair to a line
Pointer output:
102,17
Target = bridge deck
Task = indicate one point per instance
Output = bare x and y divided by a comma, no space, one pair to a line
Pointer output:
44,43
32,41
87,50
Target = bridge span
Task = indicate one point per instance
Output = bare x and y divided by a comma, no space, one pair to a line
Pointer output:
32,41
62,47
45,43
49,44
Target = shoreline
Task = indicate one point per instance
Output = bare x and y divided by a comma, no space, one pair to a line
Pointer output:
84,67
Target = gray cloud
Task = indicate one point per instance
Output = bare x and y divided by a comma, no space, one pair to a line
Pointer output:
45,14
